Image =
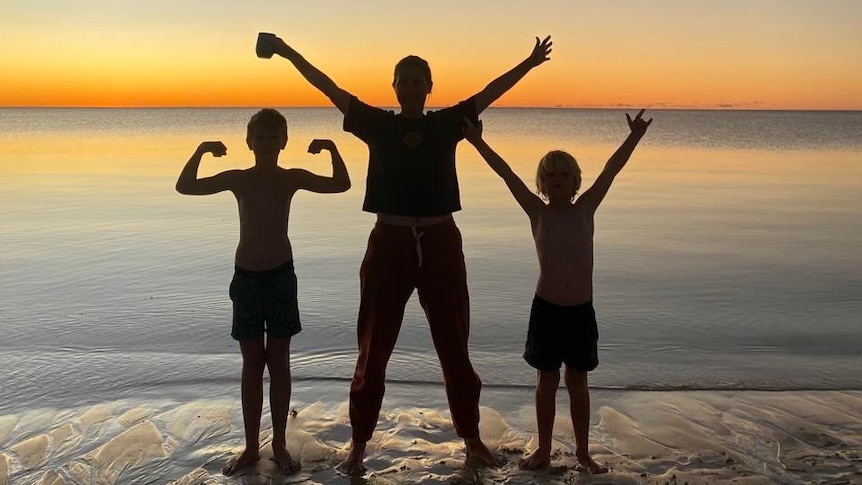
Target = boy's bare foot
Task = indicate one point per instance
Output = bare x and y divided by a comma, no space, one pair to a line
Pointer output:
590,465
240,461
478,453
538,459
352,465
286,464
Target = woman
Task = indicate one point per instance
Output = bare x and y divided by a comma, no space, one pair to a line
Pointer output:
412,186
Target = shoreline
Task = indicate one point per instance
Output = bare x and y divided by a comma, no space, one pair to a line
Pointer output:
642,436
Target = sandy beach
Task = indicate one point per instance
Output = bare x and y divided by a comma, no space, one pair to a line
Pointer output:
674,437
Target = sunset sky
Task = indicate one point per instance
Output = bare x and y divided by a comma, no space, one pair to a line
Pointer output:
747,54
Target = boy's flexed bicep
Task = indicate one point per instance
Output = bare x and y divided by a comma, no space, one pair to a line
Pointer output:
529,202
338,182
227,180
188,182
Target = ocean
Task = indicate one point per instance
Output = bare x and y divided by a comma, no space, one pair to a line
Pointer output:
726,260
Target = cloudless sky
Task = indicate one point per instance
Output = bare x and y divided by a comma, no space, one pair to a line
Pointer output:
786,54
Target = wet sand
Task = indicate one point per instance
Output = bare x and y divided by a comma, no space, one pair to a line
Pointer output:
694,437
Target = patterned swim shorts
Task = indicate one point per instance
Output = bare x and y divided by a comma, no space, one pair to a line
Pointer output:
264,301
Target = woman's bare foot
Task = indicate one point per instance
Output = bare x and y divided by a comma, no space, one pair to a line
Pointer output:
240,461
352,465
590,465
478,453
286,464
538,459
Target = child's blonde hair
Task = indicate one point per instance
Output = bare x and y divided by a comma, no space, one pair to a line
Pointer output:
555,161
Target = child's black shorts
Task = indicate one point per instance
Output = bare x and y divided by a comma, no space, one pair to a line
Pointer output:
265,301
560,334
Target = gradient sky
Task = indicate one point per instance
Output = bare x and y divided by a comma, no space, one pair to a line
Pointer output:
786,54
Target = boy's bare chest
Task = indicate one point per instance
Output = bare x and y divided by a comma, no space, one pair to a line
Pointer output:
563,229
563,238
264,199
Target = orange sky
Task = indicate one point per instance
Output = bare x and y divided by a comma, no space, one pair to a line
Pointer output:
784,54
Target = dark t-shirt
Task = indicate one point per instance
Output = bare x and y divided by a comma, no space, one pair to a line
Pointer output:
411,166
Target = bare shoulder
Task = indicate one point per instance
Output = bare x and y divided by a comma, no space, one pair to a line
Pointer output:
269,175
254,181
293,177
241,176
234,178
292,172
581,208
235,173
239,172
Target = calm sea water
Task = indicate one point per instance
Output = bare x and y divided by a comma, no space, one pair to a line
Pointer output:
727,253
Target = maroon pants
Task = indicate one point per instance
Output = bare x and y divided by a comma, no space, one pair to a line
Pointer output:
399,259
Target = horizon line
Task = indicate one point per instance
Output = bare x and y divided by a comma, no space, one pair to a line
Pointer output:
582,107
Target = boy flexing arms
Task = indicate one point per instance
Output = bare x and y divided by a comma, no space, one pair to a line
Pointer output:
263,289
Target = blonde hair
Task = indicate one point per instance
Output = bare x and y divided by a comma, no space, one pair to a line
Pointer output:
554,161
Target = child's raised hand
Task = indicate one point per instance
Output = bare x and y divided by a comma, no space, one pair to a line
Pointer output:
472,132
638,125
541,51
317,145
217,148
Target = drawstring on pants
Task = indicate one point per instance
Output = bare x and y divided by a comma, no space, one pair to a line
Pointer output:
417,235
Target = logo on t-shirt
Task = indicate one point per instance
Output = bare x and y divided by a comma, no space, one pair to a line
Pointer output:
412,139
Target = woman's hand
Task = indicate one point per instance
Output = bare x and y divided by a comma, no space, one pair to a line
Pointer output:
541,51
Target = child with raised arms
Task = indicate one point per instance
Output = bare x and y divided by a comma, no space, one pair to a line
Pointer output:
562,327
